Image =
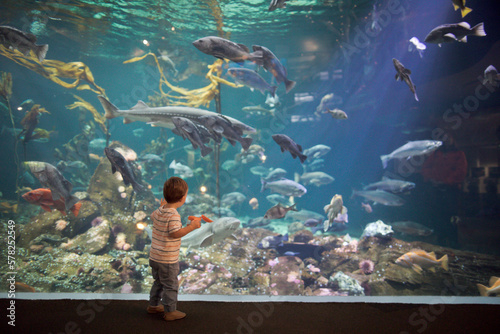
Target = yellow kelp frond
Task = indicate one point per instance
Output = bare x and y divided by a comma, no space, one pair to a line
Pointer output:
195,97
55,69
6,85
98,118
217,15
31,116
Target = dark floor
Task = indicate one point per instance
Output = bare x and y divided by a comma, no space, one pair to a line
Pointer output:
119,316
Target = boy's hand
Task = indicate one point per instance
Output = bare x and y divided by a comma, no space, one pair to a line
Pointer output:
196,223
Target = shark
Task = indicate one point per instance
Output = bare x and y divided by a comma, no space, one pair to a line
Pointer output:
162,116
211,233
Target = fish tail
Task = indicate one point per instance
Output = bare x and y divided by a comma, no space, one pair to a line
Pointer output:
444,262
75,209
41,51
110,110
289,84
416,97
257,57
478,30
72,201
482,290
385,159
246,142
466,11
456,7
272,90
263,187
302,158
205,150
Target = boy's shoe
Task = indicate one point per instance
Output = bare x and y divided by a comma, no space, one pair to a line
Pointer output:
155,309
169,316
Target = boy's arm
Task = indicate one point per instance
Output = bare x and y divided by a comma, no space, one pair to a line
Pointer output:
185,230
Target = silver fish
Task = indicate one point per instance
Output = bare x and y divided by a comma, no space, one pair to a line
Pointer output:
180,169
251,79
275,174
284,187
316,178
448,33
317,151
391,185
404,75
212,233
304,215
411,149
380,196
233,198
276,4
337,113
411,228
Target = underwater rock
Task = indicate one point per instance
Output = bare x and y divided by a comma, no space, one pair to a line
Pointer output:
259,283
295,227
303,236
347,284
94,240
286,276
197,281
378,229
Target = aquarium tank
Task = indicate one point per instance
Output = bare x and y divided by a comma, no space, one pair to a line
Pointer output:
339,147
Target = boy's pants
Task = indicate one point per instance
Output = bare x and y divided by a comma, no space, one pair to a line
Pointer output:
165,286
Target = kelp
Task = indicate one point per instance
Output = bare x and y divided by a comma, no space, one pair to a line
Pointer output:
54,70
98,118
6,85
195,97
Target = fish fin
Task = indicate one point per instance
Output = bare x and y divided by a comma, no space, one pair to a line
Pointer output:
140,105
483,291
299,147
463,39
127,120
293,207
207,241
456,7
113,169
205,150
46,208
293,155
233,237
244,47
218,129
415,94
282,149
432,254
407,71
302,158
76,209
385,159
417,268
263,185
289,84
466,11
246,142
397,77
188,129
110,110
464,25
231,141
478,30
41,51
272,90
30,37
444,262
493,280
432,269
450,35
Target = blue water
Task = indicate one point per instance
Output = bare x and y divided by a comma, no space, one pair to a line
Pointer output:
324,47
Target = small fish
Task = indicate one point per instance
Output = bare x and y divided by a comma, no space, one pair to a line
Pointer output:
181,170
278,211
260,170
391,185
222,48
287,144
317,151
254,203
493,289
24,42
251,79
257,222
325,103
272,241
333,209
284,187
233,198
138,132
491,76
276,4
311,222
380,196
316,178
277,198
303,215
411,228
419,259
416,45
375,18
448,33
404,75
337,113
188,129
120,164
43,198
273,65
97,145
275,174
164,57
411,149
259,110
460,4
367,207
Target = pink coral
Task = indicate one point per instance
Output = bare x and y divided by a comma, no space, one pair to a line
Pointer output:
366,267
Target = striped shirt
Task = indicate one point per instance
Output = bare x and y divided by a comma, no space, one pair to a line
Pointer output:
165,249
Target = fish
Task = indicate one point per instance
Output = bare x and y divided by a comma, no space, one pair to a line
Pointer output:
251,79
418,259
275,174
333,209
257,222
375,18
325,103
304,215
223,126
367,207
311,222
317,151
211,234
260,170
138,132
276,4
337,113
411,149
13,38
259,110
273,65
50,177
272,101
411,228
187,129
314,165
272,241
43,198
316,178
254,203
97,145
277,198
229,165
181,170
164,57
287,144
493,289
233,198
460,4
162,116
491,76
448,33
152,159
404,75
223,48
278,211
380,196
120,164
284,187
391,185
416,45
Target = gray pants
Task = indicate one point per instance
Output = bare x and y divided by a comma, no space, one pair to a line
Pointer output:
165,287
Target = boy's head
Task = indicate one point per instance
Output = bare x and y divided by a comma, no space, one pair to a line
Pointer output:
174,189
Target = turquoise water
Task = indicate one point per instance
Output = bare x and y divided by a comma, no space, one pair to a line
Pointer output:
344,48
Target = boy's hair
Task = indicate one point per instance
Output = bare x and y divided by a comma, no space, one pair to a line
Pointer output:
174,188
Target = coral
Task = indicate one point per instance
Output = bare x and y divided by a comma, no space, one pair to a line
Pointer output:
61,224
347,284
378,229
366,267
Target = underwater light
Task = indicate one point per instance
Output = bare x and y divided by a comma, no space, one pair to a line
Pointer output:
263,158
140,226
203,189
173,28
19,108
145,42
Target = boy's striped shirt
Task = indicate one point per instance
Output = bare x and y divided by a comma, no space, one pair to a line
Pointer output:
165,249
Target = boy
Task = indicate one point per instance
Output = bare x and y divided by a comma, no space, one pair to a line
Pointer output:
164,253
